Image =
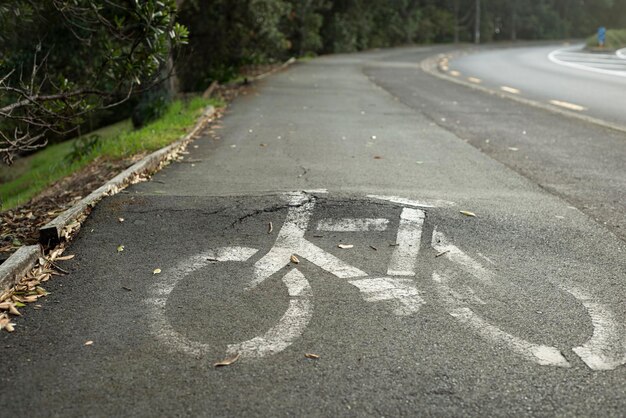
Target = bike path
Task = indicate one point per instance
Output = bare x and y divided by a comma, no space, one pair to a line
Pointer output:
515,311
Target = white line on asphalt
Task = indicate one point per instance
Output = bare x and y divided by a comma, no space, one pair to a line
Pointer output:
474,80
353,224
621,53
402,292
415,203
552,56
442,245
605,349
289,327
511,90
290,241
567,105
404,256
540,354
159,292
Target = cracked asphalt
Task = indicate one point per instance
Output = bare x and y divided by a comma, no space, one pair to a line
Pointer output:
345,128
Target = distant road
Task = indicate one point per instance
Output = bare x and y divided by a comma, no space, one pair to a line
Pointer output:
593,84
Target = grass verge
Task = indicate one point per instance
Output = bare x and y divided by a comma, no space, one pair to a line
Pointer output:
615,39
31,175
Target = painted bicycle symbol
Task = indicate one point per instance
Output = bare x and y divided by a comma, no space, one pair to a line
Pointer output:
604,350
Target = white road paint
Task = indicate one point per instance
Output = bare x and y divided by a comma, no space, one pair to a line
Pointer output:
568,105
290,241
161,289
605,350
413,203
621,53
511,90
289,328
231,254
443,246
554,57
404,256
540,354
402,293
353,224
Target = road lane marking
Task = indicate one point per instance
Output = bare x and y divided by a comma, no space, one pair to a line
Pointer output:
567,105
404,257
290,326
353,225
290,241
443,246
605,349
414,203
511,90
402,292
474,80
553,56
161,289
621,53
540,354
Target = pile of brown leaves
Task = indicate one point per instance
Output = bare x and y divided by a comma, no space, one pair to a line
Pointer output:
28,290
20,226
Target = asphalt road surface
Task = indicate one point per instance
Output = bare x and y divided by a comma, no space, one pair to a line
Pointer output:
331,216
561,74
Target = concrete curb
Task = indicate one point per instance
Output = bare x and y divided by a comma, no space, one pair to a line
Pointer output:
16,266
430,66
64,224
25,258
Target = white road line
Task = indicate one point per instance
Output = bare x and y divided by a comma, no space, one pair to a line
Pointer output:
414,203
353,224
231,254
404,257
289,328
402,292
160,291
442,245
540,354
474,80
605,350
511,90
290,241
567,105
621,53
553,56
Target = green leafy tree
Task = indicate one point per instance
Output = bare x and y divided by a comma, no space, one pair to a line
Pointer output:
63,59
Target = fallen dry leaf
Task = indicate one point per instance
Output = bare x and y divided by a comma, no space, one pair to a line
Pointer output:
467,213
312,356
65,257
294,259
345,246
227,361
156,271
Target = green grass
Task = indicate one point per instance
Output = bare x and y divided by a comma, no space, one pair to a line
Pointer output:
615,39
29,176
